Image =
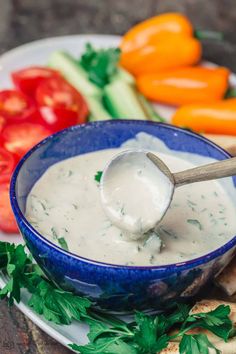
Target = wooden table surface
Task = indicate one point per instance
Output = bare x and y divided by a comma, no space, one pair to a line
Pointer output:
22,21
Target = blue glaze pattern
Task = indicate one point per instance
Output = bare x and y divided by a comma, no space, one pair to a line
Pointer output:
113,287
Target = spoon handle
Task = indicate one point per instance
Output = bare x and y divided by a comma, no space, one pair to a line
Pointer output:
224,168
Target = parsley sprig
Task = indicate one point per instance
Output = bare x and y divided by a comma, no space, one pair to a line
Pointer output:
100,64
108,334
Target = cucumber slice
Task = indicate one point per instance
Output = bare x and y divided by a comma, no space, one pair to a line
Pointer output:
148,108
122,101
73,73
124,75
97,110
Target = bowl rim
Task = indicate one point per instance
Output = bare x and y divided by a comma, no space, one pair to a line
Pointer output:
162,268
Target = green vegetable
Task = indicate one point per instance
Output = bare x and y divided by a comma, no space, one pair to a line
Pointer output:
62,242
195,223
98,176
108,334
56,305
148,108
109,89
101,64
124,75
97,110
73,73
150,333
197,344
122,102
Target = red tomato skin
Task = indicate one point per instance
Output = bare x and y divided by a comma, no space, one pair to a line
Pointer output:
8,162
7,219
57,93
25,109
58,119
83,112
28,79
2,123
20,138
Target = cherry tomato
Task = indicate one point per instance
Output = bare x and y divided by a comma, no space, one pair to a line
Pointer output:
57,93
7,162
7,220
58,118
19,138
15,106
28,79
2,123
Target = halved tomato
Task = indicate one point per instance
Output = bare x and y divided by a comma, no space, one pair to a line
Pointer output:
7,220
19,138
28,79
7,162
2,123
57,93
15,107
58,118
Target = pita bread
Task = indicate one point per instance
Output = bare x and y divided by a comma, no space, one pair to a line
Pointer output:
227,279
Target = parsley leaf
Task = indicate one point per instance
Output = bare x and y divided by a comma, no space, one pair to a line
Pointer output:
6,249
149,334
17,260
96,329
216,321
98,176
57,305
106,346
178,316
108,334
197,344
101,64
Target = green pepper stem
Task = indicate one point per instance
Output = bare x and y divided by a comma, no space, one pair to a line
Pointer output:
211,35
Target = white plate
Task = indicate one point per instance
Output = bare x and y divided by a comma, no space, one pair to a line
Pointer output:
37,53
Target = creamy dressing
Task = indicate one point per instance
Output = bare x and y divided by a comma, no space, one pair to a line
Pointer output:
65,207
135,193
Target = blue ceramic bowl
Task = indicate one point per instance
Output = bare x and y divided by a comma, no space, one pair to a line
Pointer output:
113,287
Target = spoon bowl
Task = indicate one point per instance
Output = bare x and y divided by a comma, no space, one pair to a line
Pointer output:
135,194
137,188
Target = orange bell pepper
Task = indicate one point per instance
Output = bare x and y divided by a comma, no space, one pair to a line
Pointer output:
185,85
162,42
215,118
170,52
154,27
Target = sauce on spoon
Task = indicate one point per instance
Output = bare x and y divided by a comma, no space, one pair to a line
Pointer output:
135,194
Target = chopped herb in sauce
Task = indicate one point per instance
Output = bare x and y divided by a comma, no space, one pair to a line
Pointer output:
62,242
191,204
152,259
196,223
42,205
54,233
122,211
98,176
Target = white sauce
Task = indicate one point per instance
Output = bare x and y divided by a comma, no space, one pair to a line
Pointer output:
135,193
65,207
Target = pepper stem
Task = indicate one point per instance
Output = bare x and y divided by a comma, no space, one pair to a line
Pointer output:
211,35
